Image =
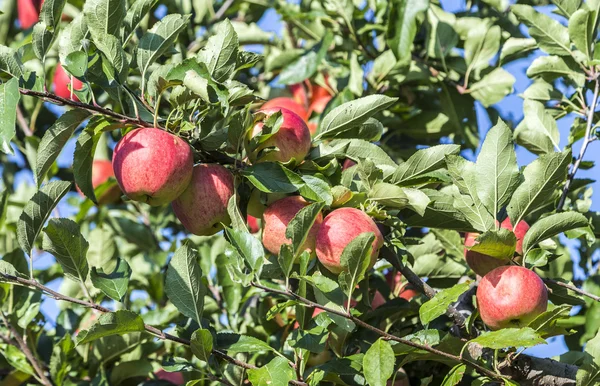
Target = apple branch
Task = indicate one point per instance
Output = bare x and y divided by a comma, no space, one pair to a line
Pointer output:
33,284
586,141
41,375
573,288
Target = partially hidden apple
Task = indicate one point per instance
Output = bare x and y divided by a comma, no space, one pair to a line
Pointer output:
175,378
152,165
253,226
398,288
202,207
511,296
292,140
102,171
286,103
482,264
62,82
319,100
338,229
258,202
299,94
28,12
276,219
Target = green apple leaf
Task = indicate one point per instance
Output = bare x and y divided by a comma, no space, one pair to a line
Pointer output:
63,239
589,371
552,37
378,363
581,27
402,27
220,52
499,244
509,337
299,227
438,305
9,99
202,344
553,225
552,67
422,162
493,87
271,177
248,247
355,261
455,375
275,373
112,323
115,283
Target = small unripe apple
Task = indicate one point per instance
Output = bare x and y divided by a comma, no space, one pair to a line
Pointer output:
102,170
511,296
62,82
276,219
286,103
202,207
292,139
28,12
338,229
153,166
253,226
482,264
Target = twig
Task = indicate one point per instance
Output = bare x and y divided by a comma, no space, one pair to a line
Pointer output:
482,370
25,349
219,14
151,329
573,288
586,142
23,123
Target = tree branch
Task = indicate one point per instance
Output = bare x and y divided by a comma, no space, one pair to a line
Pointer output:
530,371
586,142
28,354
573,288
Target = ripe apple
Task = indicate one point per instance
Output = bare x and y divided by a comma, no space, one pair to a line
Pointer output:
511,296
338,229
62,82
299,93
202,207
152,165
401,289
174,378
482,264
276,219
253,226
28,12
292,139
102,170
286,103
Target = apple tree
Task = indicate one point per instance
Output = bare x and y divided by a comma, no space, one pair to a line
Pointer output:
233,192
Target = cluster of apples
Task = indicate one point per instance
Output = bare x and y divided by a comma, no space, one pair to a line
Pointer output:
507,295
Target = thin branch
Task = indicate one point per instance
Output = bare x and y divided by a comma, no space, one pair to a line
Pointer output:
482,370
586,142
23,123
573,288
221,12
25,349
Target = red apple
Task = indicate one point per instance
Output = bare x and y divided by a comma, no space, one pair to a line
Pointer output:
348,163
299,94
292,139
319,99
511,296
253,226
174,378
482,264
28,12
276,219
102,170
152,165
400,288
338,229
202,207
62,82
286,103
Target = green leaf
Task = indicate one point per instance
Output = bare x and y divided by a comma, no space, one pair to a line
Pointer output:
316,189
307,64
499,244
354,149
355,261
378,363
352,114
422,162
275,373
9,99
104,17
202,344
515,48
589,372
141,368
496,168
552,37
543,91
581,28
7,268
299,227
482,45
271,177
493,87
402,27
552,67
10,62
63,239
54,140
135,14
112,323
71,38
159,39
540,179
42,38
37,211
220,52
438,305
551,226
248,246
509,337
455,375
393,196
355,83
538,132
236,343
59,361
566,7
83,157
184,286
15,358
113,284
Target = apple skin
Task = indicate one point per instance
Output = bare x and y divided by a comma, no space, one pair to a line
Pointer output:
286,103
482,264
102,170
293,139
319,99
511,296
338,229
202,207
174,378
398,288
276,219
299,94
348,163
61,83
253,226
153,166
28,12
